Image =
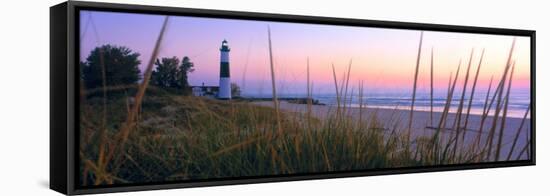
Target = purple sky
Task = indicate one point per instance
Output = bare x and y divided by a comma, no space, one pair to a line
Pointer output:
383,58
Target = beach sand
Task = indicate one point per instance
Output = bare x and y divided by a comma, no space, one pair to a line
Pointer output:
399,119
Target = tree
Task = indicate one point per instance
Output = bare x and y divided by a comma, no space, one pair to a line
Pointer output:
235,90
165,73
185,68
169,73
118,63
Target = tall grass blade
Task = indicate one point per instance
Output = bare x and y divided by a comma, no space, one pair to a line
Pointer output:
458,121
518,132
346,86
484,114
361,91
414,89
337,93
443,118
309,99
504,114
432,88
273,86
499,100
122,136
525,149
103,130
472,94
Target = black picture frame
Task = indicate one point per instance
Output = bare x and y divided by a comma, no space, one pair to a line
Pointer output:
64,47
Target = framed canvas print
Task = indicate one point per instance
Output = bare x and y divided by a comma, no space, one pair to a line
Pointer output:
146,97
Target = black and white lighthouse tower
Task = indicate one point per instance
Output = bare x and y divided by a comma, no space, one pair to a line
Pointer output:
225,80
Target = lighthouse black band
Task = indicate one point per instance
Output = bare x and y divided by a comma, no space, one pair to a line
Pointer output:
224,70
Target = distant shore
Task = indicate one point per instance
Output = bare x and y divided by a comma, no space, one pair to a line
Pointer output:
285,99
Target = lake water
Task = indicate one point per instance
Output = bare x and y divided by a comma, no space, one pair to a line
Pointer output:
518,104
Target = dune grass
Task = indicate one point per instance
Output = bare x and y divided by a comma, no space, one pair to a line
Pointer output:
195,138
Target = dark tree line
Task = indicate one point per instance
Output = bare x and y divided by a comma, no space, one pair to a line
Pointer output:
118,65
170,73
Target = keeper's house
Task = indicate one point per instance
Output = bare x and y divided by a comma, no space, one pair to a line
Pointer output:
205,91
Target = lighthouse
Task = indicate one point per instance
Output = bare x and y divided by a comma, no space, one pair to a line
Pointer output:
225,80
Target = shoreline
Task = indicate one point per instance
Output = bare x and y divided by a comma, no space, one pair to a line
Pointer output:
399,118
